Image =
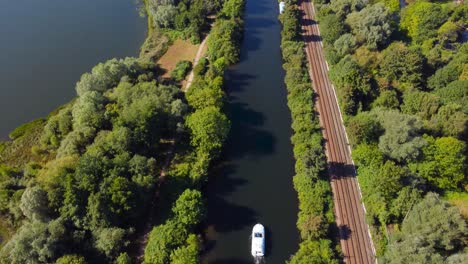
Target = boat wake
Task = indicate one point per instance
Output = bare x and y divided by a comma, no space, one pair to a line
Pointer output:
259,260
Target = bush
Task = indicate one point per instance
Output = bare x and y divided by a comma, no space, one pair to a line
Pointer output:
181,70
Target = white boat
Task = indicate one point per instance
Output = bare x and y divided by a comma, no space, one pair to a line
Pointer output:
258,241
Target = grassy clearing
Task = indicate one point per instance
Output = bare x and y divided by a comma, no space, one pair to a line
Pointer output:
17,153
180,50
24,128
460,200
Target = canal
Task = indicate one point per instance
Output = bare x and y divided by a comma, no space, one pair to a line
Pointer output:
254,181
47,44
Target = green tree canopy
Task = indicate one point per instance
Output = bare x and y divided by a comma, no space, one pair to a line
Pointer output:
372,25
363,128
422,19
432,231
403,141
189,208
71,259
209,129
402,64
313,251
443,163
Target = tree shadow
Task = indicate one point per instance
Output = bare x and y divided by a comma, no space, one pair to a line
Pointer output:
338,170
344,232
258,19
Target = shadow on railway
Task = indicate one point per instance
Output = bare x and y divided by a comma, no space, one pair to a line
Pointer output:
339,170
344,231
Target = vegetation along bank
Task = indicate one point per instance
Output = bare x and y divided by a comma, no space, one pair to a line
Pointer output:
315,219
76,186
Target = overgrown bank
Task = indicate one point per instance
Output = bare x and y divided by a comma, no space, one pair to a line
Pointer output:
311,181
87,173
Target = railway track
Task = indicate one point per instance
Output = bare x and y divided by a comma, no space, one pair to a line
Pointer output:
354,233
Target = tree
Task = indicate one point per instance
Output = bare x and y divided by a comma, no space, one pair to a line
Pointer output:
34,203
372,25
71,259
449,73
365,155
449,120
455,92
233,8
122,196
88,111
209,128
181,70
291,23
162,240
313,251
200,98
401,140
163,15
402,64
422,19
224,41
422,104
448,32
388,180
124,258
387,99
345,44
331,28
111,241
34,242
187,254
444,162
402,204
107,75
189,208
352,83
345,7
432,231
363,128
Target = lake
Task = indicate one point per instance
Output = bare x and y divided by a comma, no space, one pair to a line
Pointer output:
47,44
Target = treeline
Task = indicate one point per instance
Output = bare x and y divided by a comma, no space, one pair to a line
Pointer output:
189,17
311,180
98,166
175,240
402,86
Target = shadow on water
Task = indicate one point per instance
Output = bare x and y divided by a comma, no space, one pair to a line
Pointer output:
255,22
257,162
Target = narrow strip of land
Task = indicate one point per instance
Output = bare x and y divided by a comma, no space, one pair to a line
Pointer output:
354,233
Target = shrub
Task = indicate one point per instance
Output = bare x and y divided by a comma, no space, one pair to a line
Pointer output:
181,70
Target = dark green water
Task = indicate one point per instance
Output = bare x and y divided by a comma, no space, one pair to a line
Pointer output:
254,184
45,46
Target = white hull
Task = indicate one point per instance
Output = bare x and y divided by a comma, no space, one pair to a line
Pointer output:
258,241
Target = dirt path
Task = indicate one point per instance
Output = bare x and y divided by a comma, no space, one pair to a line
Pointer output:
200,52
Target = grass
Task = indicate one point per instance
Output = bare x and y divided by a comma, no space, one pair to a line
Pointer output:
25,128
180,50
17,153
460,200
